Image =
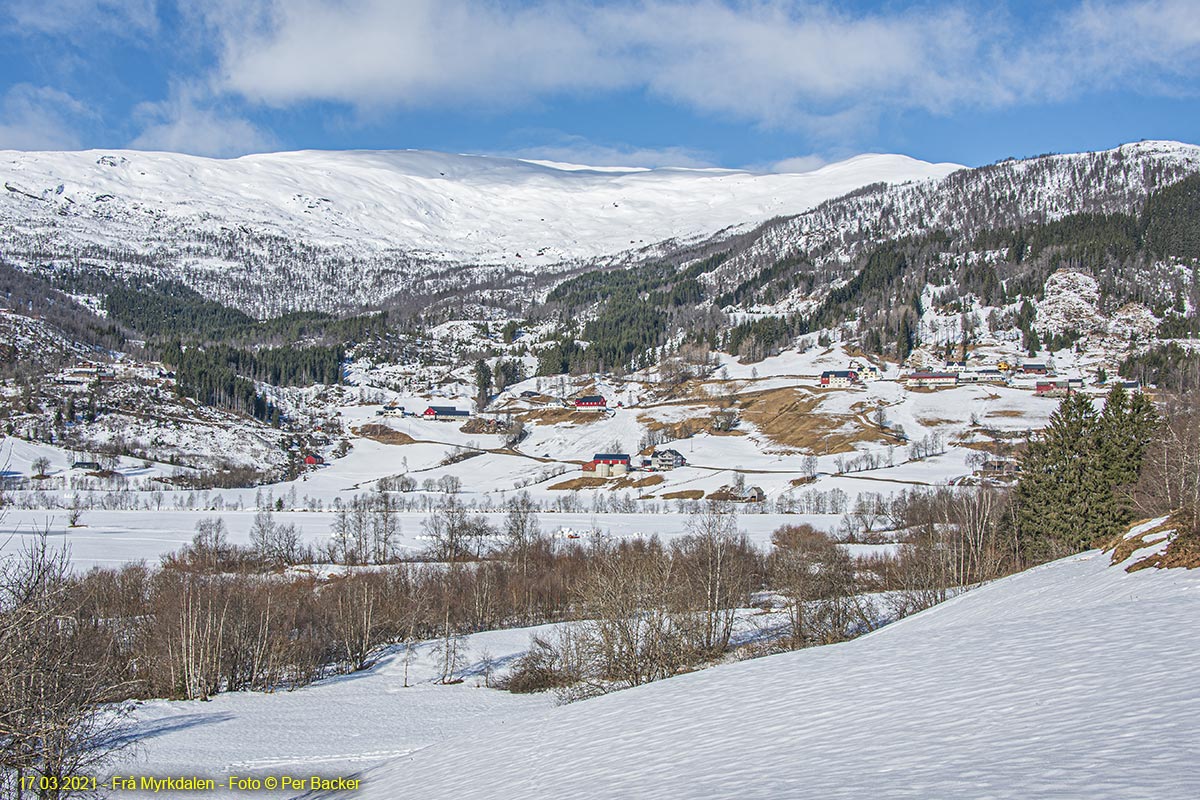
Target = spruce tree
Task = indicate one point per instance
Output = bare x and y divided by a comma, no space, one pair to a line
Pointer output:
483,383
1057,490
1123,432
1071,493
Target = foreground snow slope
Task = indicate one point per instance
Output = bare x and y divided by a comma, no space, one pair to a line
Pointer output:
335,726
434,205
1073,680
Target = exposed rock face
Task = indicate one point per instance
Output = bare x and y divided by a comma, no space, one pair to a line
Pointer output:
1070,304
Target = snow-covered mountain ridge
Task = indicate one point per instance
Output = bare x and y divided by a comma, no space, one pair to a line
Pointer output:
1007,194
435,206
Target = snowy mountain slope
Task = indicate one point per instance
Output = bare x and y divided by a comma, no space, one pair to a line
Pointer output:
1072,680
964,203
428,206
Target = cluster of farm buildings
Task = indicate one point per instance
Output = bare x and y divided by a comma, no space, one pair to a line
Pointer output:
1036,375
608,465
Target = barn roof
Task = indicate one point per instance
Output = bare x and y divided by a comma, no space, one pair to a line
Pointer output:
449,411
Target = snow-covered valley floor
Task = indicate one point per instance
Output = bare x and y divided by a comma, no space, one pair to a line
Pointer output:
1072,680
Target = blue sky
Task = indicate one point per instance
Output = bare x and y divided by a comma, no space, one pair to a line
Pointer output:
766,85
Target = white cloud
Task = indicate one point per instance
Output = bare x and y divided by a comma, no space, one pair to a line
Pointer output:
86,17
775,63
190,121
799,164
41,118
373,52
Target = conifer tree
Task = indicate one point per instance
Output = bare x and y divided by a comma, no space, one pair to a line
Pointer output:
483,382
1057,488
1070,495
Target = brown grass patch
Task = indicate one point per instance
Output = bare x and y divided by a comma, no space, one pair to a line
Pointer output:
686,494
555,416
682,429
629,482
802,481
1007,413
580,483
788,417
1126,545
934,422
383,434
1181,552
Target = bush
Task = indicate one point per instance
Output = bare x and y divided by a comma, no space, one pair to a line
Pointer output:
539,670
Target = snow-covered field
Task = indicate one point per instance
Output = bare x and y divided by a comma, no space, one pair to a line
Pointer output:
113,538
1072,680
336,726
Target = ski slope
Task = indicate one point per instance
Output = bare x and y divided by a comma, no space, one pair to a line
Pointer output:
442,207
1072,680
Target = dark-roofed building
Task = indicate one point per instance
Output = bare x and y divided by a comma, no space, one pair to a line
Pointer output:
666,458
839,378
445,413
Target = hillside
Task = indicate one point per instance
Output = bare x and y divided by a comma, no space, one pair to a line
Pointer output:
1074,679
344,228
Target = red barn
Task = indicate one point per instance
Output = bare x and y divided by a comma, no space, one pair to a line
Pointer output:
591,401
611,458
313,460
444,413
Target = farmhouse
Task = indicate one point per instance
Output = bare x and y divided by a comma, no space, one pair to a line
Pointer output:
1035,368
1000,467
445,413
667,459
869,372
591,401
839,378
931,379
90,466
987,375
1060,387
